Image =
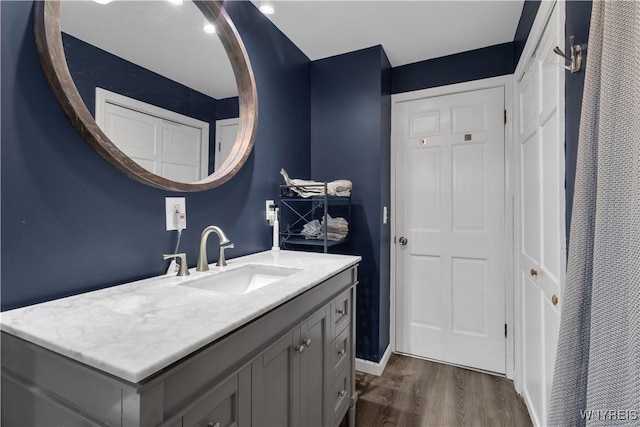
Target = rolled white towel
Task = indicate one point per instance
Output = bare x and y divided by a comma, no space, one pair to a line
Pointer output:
339,187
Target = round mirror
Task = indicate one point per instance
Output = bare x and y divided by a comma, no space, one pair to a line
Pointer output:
162,89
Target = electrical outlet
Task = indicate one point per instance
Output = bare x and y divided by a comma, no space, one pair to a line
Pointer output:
173,205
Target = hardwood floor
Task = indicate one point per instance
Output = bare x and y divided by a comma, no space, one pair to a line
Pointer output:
414,392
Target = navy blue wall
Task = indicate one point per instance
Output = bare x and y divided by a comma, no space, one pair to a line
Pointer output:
228,108
577,24
71,222
475,64
350,137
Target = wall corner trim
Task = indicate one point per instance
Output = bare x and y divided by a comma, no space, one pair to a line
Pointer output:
374,368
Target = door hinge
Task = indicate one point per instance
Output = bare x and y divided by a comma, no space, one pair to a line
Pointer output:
220,147
505,117
394,240
505,330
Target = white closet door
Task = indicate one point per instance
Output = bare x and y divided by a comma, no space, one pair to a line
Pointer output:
451,298
541,206
226,131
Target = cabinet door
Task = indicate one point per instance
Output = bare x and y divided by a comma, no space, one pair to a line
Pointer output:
227,405
314,369
275,380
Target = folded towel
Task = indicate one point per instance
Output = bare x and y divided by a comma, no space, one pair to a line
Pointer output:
306,188
339,186
337,229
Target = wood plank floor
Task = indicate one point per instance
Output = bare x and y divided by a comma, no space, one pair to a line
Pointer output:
414,392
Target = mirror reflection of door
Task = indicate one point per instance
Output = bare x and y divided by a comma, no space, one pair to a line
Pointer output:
159,54
226,131
168,144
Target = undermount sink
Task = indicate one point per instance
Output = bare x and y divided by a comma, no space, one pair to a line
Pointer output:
242,280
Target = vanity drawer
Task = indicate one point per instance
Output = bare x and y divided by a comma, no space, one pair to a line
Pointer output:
340,313
341,394
340,352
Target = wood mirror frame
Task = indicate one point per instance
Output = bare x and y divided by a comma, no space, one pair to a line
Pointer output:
51,52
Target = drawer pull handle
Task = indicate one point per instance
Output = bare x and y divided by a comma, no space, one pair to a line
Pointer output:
307,342
212,424
300,348
341,311
342,393
342,352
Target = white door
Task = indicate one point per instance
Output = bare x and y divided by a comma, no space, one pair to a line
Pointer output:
226,131
166,143
450,202
541,231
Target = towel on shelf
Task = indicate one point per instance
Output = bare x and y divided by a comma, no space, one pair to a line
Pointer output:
337,229
307,188
340,187
312,229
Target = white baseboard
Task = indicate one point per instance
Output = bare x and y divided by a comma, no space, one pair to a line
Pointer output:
374,368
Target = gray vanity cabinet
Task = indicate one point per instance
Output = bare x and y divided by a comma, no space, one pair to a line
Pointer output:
288,379
292,366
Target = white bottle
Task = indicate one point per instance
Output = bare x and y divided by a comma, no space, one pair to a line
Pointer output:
276,233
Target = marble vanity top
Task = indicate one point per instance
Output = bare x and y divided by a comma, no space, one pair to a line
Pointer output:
136,329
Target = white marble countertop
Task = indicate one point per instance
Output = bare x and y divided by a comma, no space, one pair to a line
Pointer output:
136,329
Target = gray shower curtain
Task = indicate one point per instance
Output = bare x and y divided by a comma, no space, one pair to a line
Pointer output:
597,372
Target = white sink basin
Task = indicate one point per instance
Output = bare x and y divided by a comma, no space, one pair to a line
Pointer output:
242,280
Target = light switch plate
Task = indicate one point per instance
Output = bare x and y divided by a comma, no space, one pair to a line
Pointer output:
269,211
171,204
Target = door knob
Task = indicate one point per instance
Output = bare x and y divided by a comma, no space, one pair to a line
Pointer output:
403,241
533,272
300,348
307,342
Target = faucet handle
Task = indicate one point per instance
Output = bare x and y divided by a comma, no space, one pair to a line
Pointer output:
222,262
184,271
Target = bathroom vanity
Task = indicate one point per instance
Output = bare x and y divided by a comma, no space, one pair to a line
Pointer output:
268,340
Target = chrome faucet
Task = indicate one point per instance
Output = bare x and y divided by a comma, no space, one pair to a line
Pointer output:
225,243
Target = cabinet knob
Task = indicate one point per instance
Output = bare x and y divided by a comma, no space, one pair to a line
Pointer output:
342,352
307,342
554,299
342,393
341,311
212,424
300,348
533,272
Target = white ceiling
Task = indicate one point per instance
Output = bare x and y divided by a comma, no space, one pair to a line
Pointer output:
169,39
409,31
